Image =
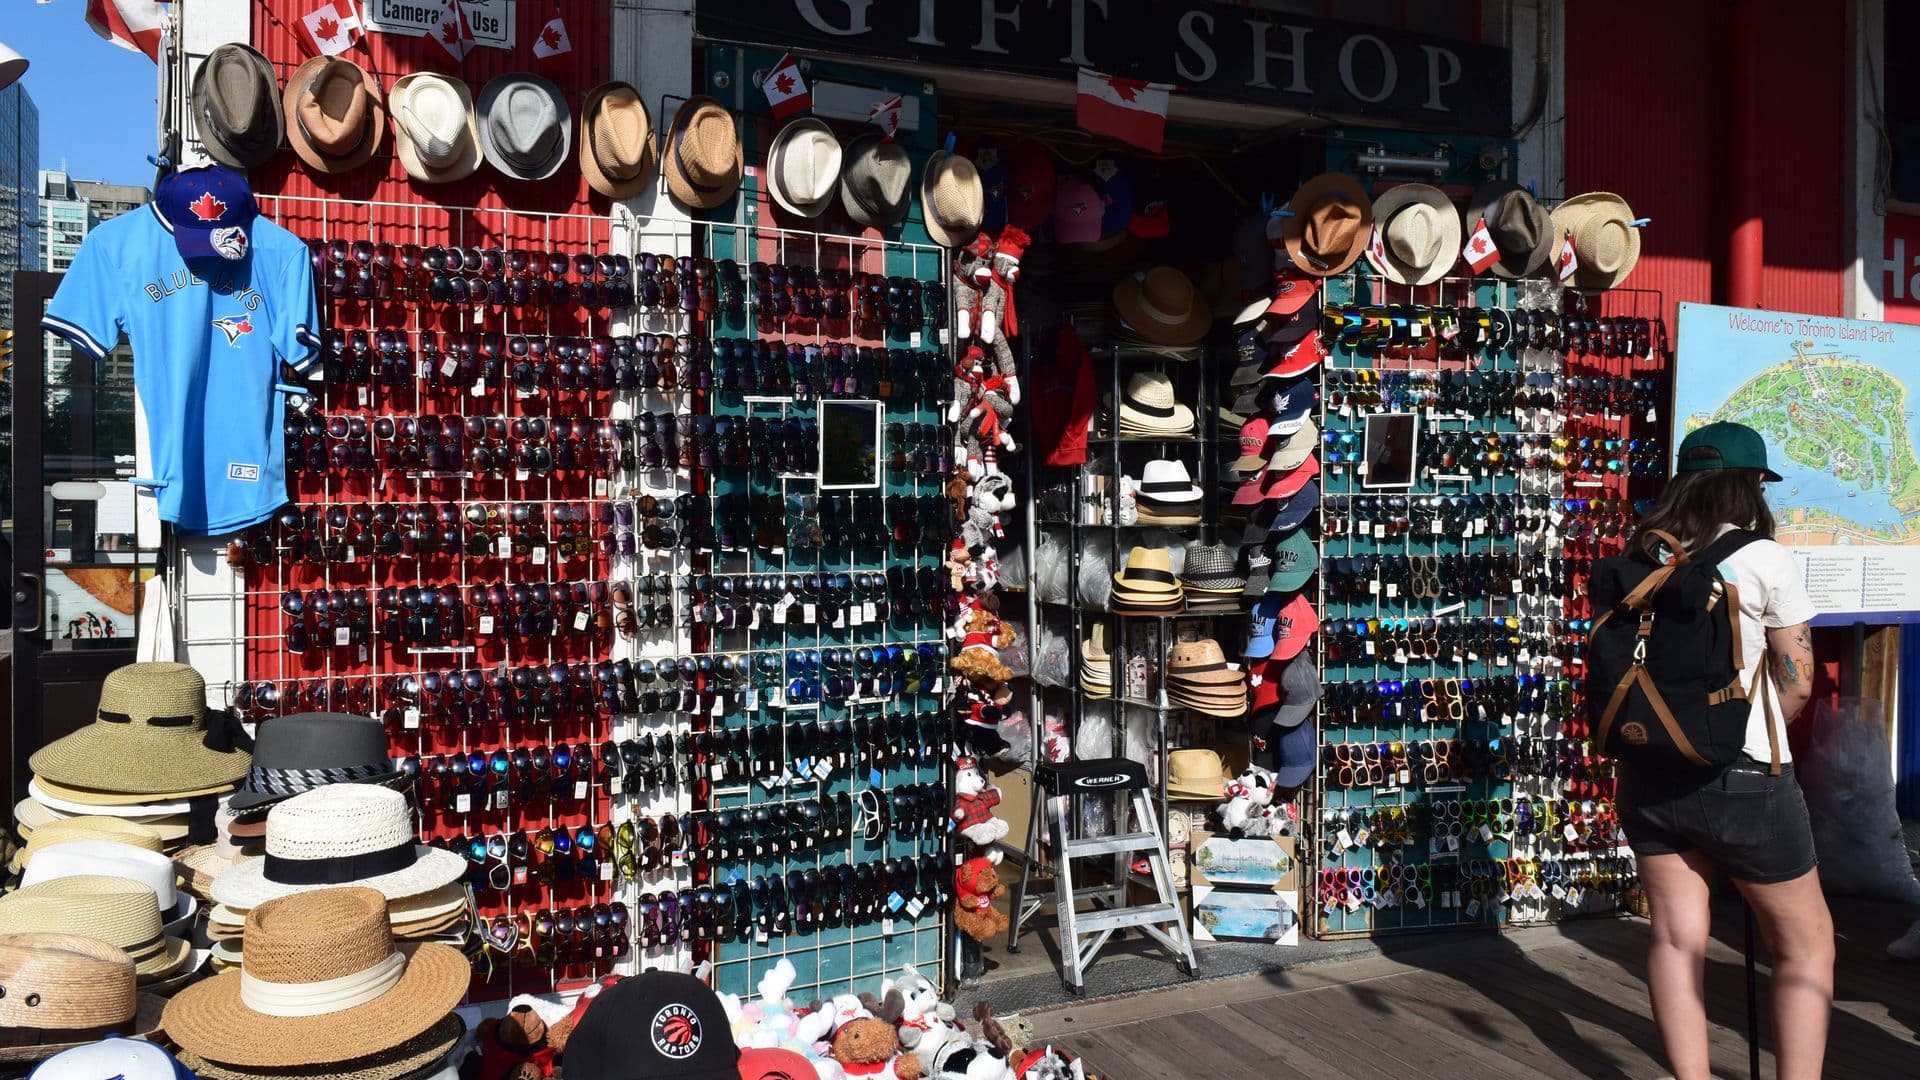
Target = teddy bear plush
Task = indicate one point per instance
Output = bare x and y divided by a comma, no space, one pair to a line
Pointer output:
982,636
1249,803
870,1047
973,803
979,709
977,886
515,1046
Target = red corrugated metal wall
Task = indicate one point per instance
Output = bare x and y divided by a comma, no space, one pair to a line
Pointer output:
1646,117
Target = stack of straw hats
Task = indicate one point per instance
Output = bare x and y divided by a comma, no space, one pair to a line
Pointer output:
1146,585
1199,678
119,911
1149,409
1210,581
1096,664
64,990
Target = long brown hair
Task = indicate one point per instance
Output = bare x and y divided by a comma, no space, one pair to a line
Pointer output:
1696,504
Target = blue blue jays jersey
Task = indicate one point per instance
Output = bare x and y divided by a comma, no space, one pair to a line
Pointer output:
208,340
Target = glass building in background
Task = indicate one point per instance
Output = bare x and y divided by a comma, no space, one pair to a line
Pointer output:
19,191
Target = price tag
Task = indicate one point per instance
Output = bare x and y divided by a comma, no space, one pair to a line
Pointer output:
1418,901
520,476
606,870
538,556
1393,589
478,389
895,901
751,700
613,785
719,705
1373,586
463,803
1344,840
760,936
362,396
913,340
808,614
421,370
579,789
410,720
822,768
869,611
915,906
1380,531
342,635
486,624
1572,834
886,925
1353,903
1473,909
717,771
1360,838
852,617
839,617
1453,843
519,875
579,621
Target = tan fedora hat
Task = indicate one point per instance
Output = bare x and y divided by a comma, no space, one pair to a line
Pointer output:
702,159
803,167
1163,306
875,182
618,155
63,990
321,982
1202,663
119,911
416,1059
1419,234
1195,774
334,113
1521,228
1149,571
149,737
1604,239
1331,224
952,200
435,134
88,827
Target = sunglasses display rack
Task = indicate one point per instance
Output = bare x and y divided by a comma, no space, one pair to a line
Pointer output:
833,375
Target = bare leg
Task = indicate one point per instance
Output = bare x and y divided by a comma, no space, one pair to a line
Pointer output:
1798,930
1679,895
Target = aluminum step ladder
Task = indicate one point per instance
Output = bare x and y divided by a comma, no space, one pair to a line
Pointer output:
1084,933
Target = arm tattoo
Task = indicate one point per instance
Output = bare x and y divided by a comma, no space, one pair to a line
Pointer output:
1786,671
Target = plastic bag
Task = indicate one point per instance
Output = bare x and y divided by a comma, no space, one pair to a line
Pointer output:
1013,557
1018,732
1016,655
1095,737
1096,572
1050,567
1053,656
1847,775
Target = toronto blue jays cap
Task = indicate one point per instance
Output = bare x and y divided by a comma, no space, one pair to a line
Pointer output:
210,212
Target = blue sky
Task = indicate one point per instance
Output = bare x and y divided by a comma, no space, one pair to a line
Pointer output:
96,99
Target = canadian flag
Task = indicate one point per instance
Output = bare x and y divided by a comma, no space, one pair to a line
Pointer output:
334,27
1132,111
130,24
1567,262
786,89
452,31
1377,249
1480,252
552,39
885,115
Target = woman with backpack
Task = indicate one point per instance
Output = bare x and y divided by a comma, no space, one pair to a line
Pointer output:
1706,780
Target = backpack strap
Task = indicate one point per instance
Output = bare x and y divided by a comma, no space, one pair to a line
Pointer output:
1673,544
1762,693
1724,548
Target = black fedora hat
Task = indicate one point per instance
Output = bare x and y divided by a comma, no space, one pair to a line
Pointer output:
236,106
304,751
658,1024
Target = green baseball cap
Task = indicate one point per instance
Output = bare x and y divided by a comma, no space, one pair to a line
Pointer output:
1294,561
1724,445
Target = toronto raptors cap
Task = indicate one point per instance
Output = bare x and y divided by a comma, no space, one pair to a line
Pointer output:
660,1025
210,212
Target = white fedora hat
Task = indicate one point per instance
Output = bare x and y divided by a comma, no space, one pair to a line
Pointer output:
341,834
434,131
82,858
1419,234
1168,481
803,167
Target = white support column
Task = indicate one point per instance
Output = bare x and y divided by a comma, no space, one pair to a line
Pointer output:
1864,217
1535,31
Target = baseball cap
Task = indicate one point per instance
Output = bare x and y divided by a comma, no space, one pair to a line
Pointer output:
1300,685
209,211
1305,355
1293,450
128,1059
658,1024
1293,627
1253,444
1723,445
1288,515
1290,402
1261,626
1076,212
1275,484
1295,755
1259,570
1295,558
774,1063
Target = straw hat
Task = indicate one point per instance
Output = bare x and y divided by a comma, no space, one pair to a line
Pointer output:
419,1058
803,167
236,106
874,182
1202,663
526,129
1162,306
1419,234
1521,228
119,912
1195,774
201,864
150,737
435,135
322,982
334,114
1166,480
31,815
702,159
64,990
83,858
617,152
1148,403
1332,222
1149,572
952,201
1604,239
92,800
343,834
88,827
299,753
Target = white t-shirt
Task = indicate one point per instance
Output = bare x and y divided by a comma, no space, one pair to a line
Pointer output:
1771,595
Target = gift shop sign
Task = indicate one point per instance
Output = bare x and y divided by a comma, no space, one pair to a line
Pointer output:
1900,268
1214,50
490,20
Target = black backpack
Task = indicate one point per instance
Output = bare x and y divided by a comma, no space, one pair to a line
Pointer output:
1665,689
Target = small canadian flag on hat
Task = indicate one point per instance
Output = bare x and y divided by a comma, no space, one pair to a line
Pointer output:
334,27
786,88
885,115
1480,252
552,40
1377,248
1567,262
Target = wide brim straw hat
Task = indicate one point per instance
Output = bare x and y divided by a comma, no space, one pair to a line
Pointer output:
120,912
400,1063
330,825
30,815
702,159
1232,705
1202,663
1196,774
1163,306
88,827
295,948
1605,242
1330,225
952,201
150,737
618,152
1419,234
70,796
1149,403
202,863
463,145
876,177
83,985
810,146
1512,214
331,99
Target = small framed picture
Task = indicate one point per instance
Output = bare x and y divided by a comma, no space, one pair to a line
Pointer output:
1392,448
850,444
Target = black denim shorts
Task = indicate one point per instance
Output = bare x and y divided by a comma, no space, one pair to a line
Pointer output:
1753,826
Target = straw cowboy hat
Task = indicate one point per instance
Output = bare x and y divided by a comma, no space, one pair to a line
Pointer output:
299,753
1148,404
435,134
120,912
1419,234
66,989
1604,239
1521,228
1195,774
952,201
321,984
88,827
702,159
150,737
1332,222
236,106
84,858
334,114
803,167
617,151
526,129
1162,306
874,182
1202,663
342,834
